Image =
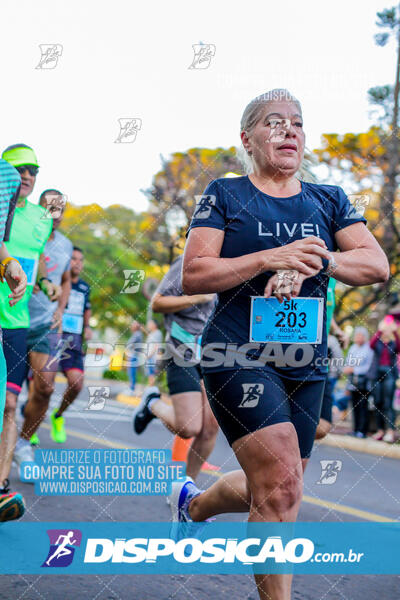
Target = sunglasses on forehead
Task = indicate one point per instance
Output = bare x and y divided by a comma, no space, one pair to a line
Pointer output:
32,170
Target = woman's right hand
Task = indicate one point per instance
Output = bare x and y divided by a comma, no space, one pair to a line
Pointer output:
303,255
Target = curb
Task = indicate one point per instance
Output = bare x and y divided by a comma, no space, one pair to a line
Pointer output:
367,446
335,440
130,400
135,400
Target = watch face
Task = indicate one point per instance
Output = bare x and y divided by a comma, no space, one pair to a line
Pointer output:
332,265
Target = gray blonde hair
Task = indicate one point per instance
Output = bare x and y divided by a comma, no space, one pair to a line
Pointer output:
252,115
363,331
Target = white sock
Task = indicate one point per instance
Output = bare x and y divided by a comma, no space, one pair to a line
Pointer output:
21,442
150,404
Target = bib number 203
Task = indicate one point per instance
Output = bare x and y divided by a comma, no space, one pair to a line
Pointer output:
291,318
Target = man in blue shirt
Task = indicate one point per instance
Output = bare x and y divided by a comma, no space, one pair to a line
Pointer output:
76,330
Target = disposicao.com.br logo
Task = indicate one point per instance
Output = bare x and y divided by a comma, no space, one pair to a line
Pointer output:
248,551
146,548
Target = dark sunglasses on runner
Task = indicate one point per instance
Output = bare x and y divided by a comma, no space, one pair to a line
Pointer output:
32,170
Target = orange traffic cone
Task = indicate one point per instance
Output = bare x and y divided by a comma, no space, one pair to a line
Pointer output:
180,448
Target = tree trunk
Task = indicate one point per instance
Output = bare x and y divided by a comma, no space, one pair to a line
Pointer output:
389,188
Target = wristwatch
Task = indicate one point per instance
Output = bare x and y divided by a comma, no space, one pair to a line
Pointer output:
40,282
331,265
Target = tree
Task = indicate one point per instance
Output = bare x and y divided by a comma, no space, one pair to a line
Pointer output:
389,20
172,195
112,240
371,160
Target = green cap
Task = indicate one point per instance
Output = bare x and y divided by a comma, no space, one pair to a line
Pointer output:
19,155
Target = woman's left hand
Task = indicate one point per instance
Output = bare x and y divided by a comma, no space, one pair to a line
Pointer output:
282,290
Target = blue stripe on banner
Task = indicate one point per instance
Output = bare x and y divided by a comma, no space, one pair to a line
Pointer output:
241,548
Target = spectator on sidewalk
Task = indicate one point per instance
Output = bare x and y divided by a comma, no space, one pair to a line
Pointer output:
386,346
335,366
153,340
358,363
131,354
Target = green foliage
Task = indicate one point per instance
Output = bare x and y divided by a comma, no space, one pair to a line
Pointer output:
112,240
387,18
121,375
172,195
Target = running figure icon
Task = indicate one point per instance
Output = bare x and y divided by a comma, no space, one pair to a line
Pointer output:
62,346
62,549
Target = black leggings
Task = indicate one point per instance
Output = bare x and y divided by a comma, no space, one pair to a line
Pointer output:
384,389
359,399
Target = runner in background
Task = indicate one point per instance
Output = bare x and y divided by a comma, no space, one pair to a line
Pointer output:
75,323
153,340
46,326
11,274
181,446
131,355
190,414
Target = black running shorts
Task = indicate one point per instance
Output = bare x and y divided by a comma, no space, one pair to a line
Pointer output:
183,379
246,400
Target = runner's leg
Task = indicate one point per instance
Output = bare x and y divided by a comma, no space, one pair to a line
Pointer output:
271,460
8,437
184,416
75,379
3,384
204,442
230,493
190,416
270,455
15,350
38,401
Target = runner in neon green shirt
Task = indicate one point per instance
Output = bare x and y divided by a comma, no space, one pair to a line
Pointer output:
12,277
29,233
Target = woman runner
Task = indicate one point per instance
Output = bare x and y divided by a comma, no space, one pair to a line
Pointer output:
267,396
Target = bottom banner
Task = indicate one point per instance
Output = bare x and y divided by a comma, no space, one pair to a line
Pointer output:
148,548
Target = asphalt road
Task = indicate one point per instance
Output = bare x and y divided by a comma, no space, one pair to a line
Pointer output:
367,489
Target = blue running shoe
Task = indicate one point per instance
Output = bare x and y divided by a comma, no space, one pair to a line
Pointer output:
182,494
183,525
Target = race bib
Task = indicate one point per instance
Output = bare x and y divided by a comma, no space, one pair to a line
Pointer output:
76,303
295,321
72,323
30,267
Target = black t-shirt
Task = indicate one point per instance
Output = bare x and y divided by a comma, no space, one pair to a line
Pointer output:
254,221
